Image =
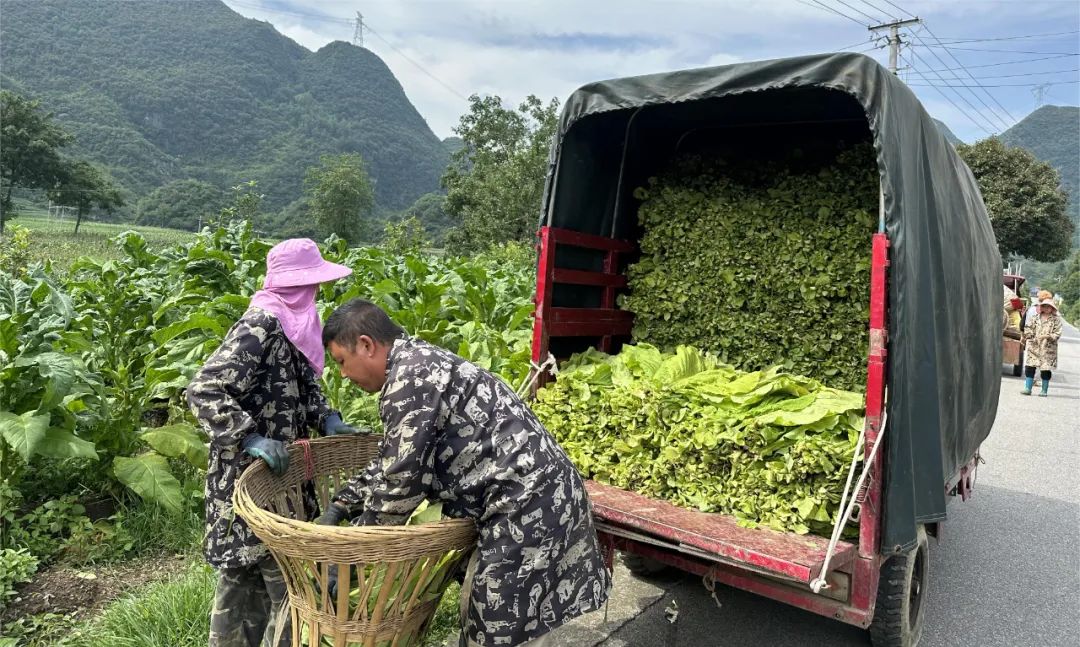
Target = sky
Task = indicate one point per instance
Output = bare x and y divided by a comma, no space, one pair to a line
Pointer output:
442,51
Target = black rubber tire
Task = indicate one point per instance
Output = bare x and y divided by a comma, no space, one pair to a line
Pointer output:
644,566
901,599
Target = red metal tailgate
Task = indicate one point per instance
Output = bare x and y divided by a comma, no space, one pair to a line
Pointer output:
780,554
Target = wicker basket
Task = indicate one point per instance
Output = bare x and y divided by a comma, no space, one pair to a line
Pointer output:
396,574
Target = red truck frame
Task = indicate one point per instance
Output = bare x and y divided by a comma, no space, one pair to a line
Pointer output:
774,564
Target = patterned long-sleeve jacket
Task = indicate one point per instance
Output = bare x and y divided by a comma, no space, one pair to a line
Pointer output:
457,434
256,382
1042,341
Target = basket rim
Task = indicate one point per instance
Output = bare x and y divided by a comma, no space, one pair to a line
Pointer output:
259,518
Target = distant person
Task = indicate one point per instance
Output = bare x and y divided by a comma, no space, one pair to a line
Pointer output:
1033,309
1042,333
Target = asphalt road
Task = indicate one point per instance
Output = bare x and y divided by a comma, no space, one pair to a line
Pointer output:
1006,571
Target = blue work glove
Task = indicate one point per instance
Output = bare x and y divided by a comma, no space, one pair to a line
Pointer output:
333,425
272,451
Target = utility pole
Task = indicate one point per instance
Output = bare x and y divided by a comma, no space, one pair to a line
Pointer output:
894,37
358,31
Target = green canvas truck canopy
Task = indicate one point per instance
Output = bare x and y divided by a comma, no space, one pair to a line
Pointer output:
944,322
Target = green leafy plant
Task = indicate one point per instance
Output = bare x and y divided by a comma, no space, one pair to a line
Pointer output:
763,263
16,566
767,447
45,530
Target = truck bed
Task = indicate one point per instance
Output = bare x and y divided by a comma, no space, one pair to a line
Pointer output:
715,537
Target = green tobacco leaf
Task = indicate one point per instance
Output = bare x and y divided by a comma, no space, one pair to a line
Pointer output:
59,443
24,433
177,441
148,476
196,321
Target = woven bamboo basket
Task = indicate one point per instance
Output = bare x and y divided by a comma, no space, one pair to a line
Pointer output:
395,575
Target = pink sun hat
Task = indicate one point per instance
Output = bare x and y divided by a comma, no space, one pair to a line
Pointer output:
296,262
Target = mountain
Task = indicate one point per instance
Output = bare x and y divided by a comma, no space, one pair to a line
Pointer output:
1052,133
161,90
949,135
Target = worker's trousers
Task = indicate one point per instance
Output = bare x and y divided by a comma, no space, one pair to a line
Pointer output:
247,602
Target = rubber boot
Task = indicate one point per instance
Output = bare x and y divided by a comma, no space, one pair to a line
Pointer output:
1045,388
1028,383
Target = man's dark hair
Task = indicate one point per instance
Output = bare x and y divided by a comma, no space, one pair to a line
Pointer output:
359,317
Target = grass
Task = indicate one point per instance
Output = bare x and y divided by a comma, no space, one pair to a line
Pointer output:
56,241
174,612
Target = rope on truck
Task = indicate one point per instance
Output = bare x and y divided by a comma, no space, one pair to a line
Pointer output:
846,506
536,371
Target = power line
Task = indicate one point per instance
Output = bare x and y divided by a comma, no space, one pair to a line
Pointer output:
858,11
1010,76
957,78
365,27
418,66
972,76
974,121
1006,85
945,84
900,8
948,40
1027,60
1002,51
877,8
828,8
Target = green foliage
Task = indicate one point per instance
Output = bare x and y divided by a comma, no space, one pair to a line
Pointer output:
495,181
39,630
196,91
180,204
44,531
430,210
405,236
174,612
340,196
15,253
30,157
764,264
1068,288
16,566
47,389
767,447
54,241
1024,198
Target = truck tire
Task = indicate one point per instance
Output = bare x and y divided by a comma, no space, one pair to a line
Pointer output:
899,612
644,566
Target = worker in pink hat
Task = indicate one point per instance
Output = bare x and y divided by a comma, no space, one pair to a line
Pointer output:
258,392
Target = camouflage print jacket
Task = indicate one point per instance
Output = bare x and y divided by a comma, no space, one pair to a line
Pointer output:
256,382
457,434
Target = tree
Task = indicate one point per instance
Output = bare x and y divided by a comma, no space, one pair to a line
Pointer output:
340,196
495,181
30,145
85,186
180,204
430,212
1067,286
1024,197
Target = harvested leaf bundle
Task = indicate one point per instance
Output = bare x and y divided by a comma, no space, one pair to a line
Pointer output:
766,447
766,263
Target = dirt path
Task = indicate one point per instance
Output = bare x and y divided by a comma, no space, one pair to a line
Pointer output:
80,592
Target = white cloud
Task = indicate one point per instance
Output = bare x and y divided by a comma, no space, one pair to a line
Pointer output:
514,48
